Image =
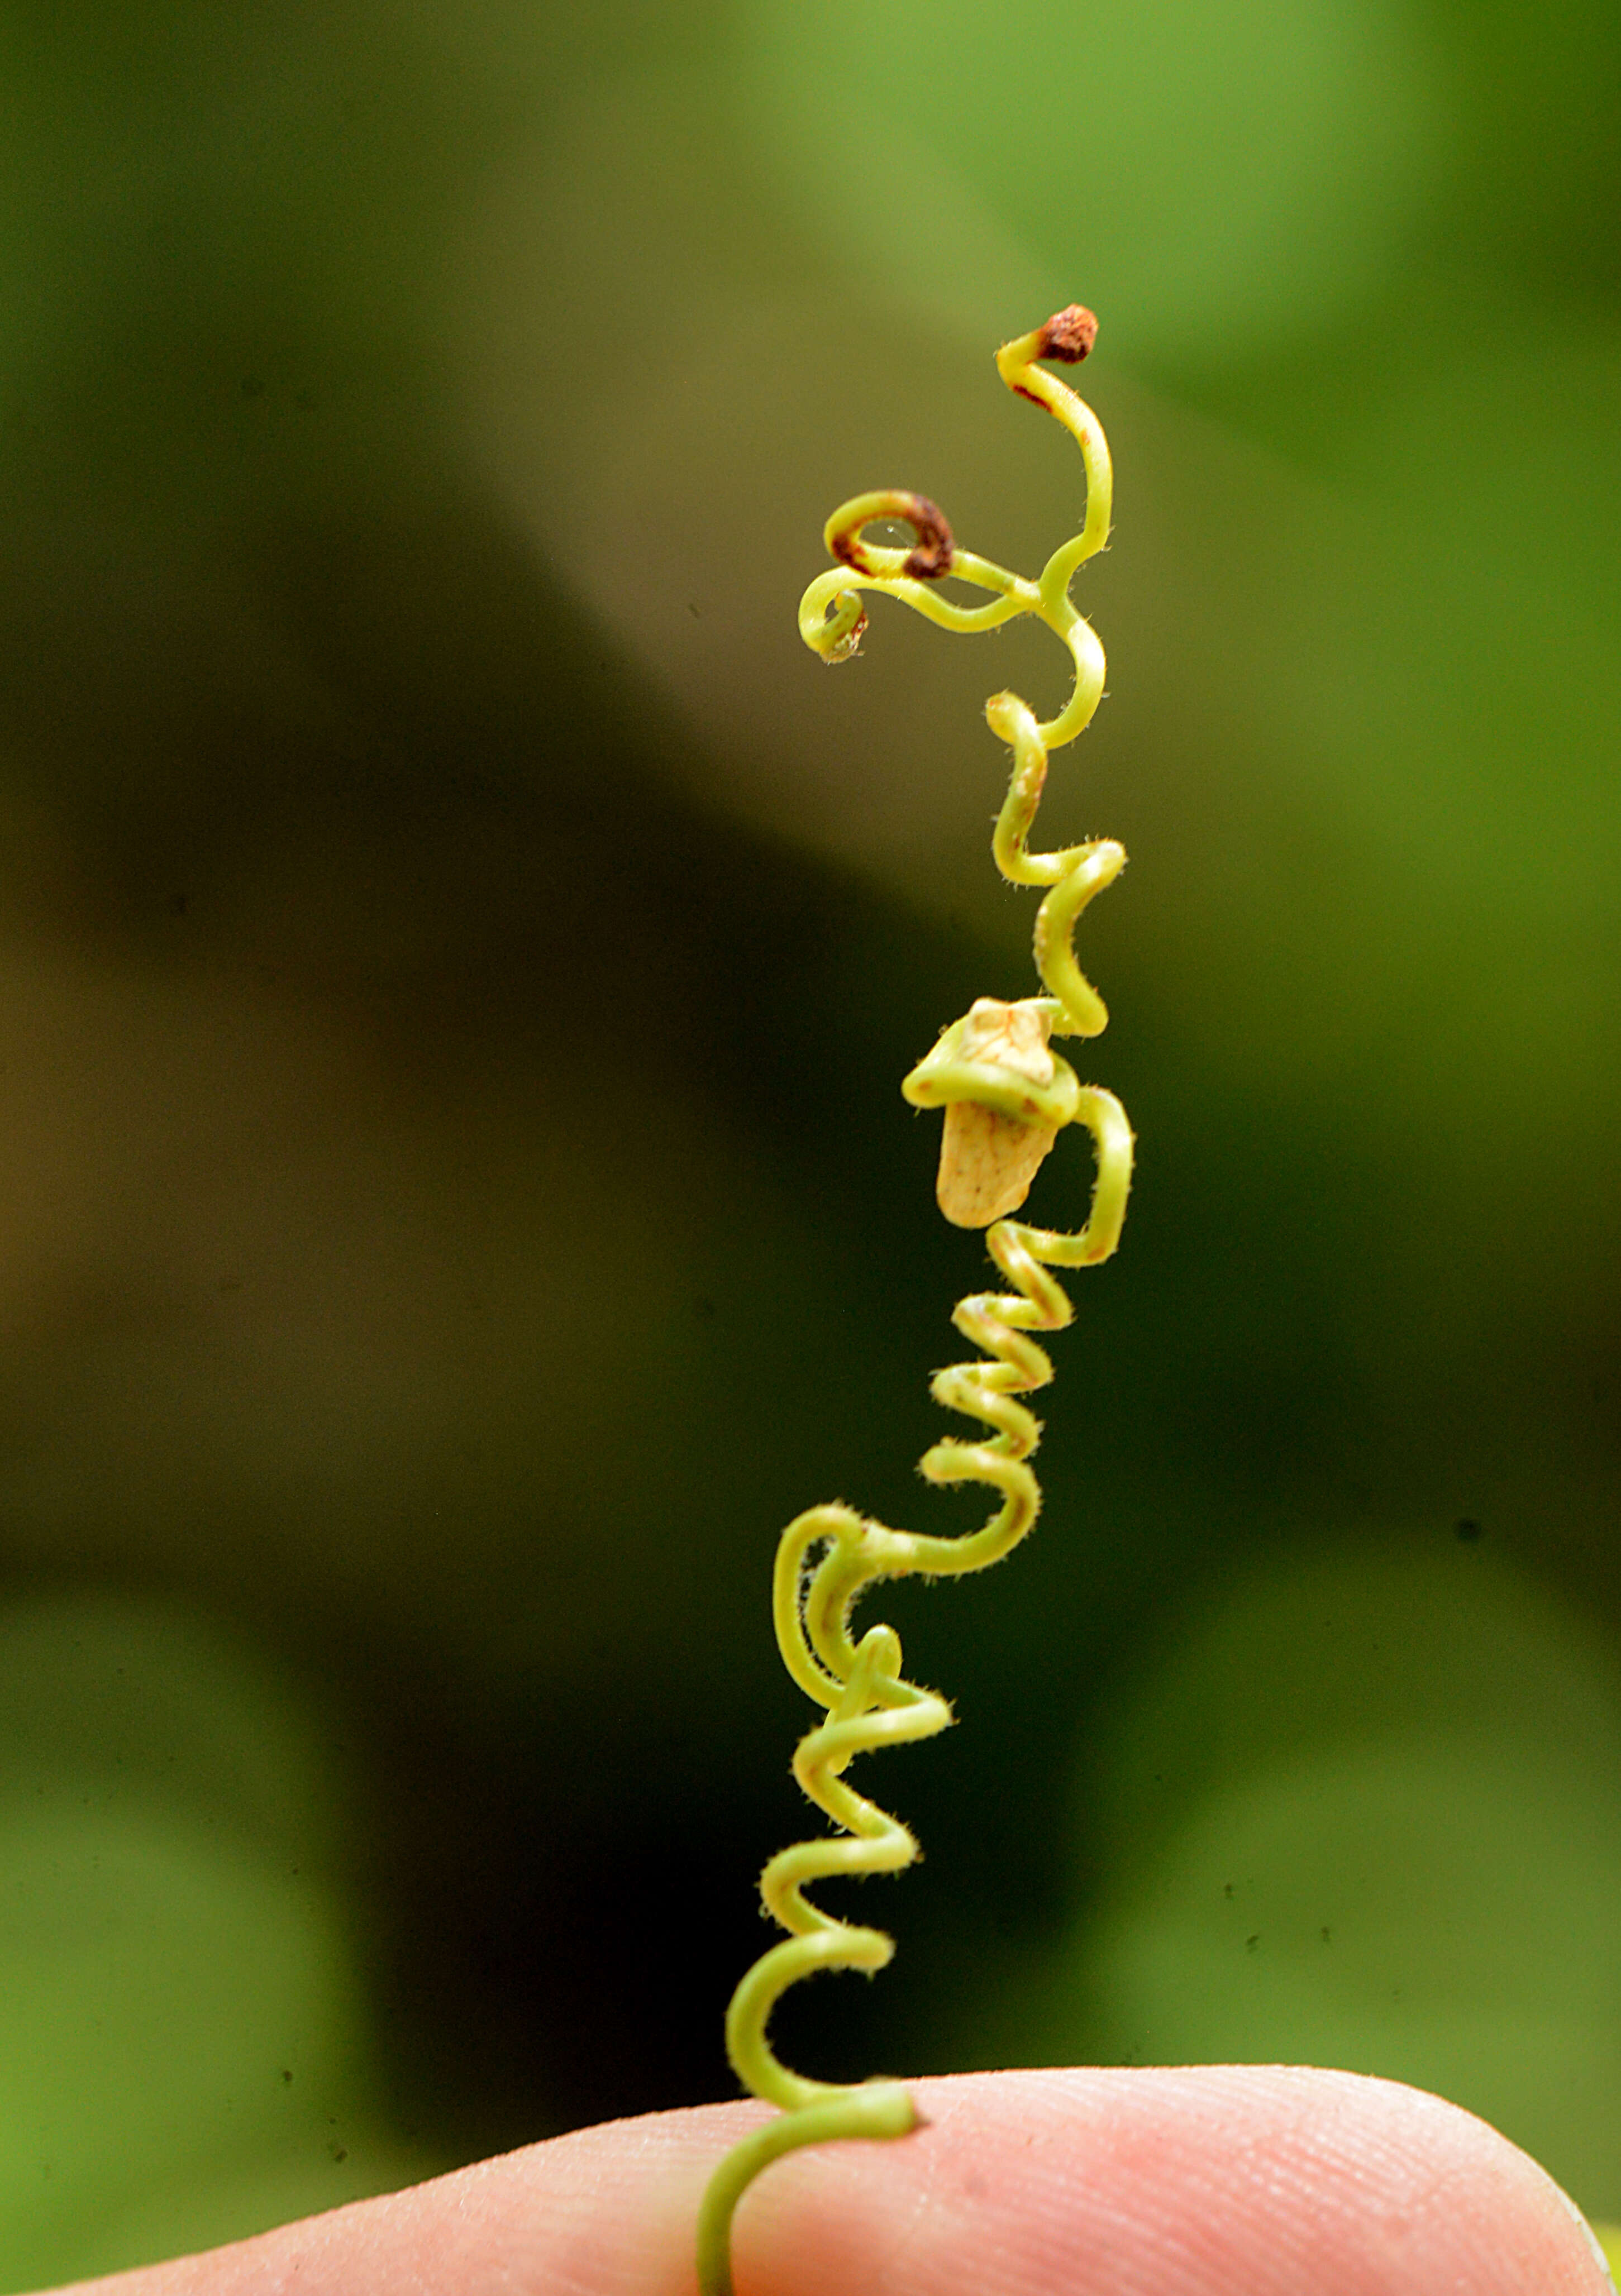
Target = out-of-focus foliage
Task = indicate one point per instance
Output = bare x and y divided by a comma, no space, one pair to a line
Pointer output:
181,2051
457,954
1367,1813
1225,176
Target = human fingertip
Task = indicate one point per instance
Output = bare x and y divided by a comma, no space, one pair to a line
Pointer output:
1603,2239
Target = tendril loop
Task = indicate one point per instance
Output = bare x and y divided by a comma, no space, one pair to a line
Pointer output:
1006,1095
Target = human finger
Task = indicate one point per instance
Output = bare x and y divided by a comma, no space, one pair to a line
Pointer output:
1207,2181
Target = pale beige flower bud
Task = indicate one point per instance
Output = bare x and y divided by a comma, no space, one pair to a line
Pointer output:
988,1161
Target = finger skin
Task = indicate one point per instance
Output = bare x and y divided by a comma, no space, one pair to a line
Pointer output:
1209,2181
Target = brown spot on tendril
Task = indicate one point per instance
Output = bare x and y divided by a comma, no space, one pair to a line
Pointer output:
929,559
933,555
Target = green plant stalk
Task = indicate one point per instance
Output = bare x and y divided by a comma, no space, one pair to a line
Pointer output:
1005,1096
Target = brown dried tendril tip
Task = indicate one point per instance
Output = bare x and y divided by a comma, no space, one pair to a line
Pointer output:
1068,335
929,559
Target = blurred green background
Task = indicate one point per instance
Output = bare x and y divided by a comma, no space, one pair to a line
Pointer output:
459,952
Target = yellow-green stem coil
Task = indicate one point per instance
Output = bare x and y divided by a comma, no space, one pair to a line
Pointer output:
1005,1096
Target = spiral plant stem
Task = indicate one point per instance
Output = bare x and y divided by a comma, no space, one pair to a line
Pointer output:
994,1073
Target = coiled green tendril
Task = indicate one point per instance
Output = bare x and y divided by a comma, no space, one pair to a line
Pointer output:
1006,1095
